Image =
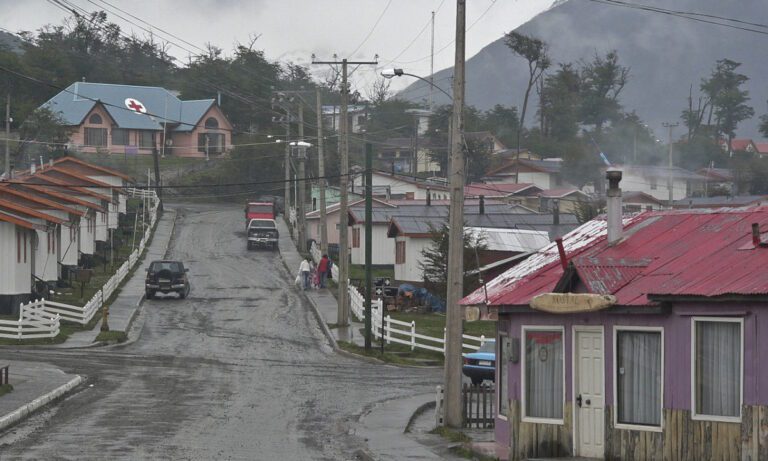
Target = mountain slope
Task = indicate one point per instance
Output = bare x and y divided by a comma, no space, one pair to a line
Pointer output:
666,55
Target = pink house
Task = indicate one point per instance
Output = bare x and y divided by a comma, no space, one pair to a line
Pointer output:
135,120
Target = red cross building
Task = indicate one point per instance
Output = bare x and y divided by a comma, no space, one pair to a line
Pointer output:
135,106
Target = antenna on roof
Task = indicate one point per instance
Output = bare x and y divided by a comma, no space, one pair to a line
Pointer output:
83,78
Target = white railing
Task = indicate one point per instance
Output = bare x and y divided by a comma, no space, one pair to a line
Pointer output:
41,318
34,322
399,332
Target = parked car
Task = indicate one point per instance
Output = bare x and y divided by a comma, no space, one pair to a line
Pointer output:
263,232
167,277
481,365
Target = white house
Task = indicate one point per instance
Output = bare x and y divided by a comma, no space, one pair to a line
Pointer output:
405,187
312,220
655,180
44,256
356,114
16,235
114,178
544,174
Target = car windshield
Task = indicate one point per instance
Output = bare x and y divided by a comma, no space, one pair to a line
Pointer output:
489,347
262,223
171,266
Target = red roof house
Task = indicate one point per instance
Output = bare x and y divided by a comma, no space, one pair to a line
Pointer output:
605,341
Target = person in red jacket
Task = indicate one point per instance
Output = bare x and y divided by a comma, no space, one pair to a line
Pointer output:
322,269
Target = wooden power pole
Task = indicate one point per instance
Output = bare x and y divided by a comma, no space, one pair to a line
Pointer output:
454,320
343,311
321,174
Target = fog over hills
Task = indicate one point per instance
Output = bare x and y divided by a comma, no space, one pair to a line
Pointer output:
666,55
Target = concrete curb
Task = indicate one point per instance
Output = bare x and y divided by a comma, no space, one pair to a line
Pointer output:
24,411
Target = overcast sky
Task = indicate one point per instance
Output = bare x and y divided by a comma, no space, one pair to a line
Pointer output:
291,30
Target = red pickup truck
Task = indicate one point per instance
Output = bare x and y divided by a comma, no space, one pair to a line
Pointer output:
259,210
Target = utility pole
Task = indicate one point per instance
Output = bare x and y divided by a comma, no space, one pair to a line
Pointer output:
368,243
277,99
321,174
156,161
300,235
432,63
300,199
343,311
8,136
669,173
454,320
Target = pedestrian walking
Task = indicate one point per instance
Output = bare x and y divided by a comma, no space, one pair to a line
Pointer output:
322,270
304,269
329,271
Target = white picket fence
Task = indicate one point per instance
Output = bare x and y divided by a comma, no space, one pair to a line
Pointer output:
397,331
41,318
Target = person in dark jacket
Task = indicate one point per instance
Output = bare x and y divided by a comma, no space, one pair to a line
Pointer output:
323,269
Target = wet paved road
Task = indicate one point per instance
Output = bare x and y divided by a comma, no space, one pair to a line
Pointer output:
239,370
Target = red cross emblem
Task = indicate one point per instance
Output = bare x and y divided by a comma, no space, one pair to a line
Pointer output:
135,106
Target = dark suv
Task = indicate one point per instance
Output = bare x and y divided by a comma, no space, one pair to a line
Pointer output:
166,277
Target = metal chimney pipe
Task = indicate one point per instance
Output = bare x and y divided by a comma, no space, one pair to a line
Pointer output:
561,251
613,196
482,204
756,234
429,197
556,212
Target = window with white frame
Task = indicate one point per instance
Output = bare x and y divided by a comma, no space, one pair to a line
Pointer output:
543,381
717,368
639,376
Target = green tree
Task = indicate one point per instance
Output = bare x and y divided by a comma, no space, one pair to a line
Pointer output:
727,99
42,133
435,264
602,80
503,122
560,104
535,52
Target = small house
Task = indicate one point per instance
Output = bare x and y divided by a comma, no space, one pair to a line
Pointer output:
636,338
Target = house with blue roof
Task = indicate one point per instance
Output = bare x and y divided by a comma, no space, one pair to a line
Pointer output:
129,119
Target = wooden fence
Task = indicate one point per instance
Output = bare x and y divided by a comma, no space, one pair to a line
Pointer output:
41,318
478,406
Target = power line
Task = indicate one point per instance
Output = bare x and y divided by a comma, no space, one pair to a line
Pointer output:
372,28
698,17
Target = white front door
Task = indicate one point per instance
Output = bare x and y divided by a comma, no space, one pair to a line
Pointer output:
589,393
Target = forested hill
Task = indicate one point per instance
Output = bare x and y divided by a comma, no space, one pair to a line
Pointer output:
666,54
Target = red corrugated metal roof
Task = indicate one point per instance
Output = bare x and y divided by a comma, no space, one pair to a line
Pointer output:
674,253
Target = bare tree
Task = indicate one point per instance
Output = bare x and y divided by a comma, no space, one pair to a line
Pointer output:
378,91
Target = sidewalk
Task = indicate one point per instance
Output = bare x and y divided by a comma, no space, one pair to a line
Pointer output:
383,426
125,306
326,307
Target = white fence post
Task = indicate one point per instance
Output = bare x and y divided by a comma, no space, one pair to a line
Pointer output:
389,327
413,334
444,338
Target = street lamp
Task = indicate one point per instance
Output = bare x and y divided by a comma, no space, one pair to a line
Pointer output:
391,73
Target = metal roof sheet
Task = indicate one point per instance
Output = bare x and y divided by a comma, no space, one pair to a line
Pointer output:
511,240
682,253
78,99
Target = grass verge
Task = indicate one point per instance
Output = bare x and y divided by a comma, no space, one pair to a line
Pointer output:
112,337
397,354
5,389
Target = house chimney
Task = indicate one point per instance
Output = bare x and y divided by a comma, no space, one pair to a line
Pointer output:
561,251
613,195
429,197
482,204
756,234
556,212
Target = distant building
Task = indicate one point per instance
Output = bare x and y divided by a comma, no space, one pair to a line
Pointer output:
130,120
357,115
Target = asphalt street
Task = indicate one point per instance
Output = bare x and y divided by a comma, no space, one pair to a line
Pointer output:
238,370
